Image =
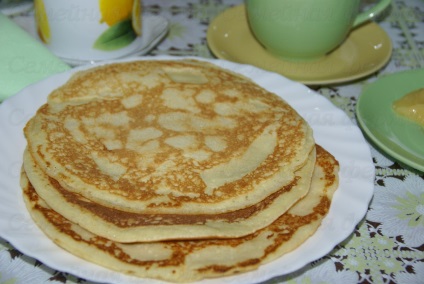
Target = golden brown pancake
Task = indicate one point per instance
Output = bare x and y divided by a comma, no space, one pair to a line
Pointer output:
185,261
169,137
124,226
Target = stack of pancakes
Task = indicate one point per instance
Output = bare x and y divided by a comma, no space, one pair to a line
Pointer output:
176,170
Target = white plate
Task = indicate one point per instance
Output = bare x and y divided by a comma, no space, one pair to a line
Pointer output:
332,129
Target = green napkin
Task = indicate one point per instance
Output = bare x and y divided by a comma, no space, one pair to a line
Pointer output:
23,60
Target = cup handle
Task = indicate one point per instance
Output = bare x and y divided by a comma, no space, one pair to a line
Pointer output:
371,13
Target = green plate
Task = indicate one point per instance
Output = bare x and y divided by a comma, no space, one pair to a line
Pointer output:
397,136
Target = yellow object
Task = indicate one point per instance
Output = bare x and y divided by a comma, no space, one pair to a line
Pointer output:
43,28
411,106
113,11
136,17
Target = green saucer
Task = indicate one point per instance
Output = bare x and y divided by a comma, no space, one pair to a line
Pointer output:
397,136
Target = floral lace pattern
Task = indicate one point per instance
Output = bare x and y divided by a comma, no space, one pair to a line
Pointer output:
388,245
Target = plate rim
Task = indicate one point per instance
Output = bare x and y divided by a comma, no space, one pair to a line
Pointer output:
361,197
382,143
310,82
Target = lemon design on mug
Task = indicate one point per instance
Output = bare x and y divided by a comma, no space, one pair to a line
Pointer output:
113,11
123,19
136,19
43,28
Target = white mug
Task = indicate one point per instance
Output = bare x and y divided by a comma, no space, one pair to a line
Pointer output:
88,29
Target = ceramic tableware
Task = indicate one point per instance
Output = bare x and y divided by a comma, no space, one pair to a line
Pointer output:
367,49
305,29
89,29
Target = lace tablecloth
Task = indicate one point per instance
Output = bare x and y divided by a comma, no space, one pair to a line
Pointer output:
387,246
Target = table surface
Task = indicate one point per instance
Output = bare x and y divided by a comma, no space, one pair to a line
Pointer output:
387,246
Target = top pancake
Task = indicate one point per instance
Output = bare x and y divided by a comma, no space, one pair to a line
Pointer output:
168,137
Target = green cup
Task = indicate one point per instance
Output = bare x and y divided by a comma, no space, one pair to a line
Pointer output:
302,30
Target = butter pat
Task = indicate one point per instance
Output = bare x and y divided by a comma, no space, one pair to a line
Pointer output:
411,106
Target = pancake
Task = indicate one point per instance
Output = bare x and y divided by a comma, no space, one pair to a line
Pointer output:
186,261
123,226
169,137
